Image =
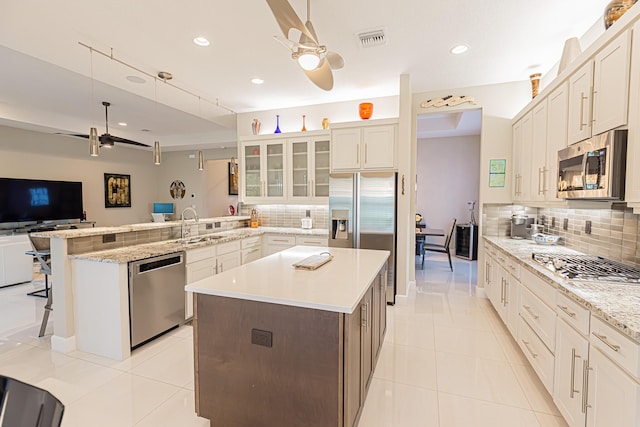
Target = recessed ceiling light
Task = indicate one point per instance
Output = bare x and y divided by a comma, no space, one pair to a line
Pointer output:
201,41
136,79
122,124
457,50
257,81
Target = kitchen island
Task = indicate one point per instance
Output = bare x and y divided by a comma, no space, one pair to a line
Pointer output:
277,346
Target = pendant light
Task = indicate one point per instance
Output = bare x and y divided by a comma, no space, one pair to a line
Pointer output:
200,161
156,153
94,144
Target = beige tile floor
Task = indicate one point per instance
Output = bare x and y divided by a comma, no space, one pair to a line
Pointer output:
447,361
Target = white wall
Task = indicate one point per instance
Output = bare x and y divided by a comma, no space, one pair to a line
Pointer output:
34,155
447,178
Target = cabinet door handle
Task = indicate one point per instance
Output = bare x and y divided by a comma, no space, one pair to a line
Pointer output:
585,386
572,386
363,316
540,178
528,308
253,250
221,267
593,106
604,339
280,240
582,98
566,310
531,352
313,189
358,154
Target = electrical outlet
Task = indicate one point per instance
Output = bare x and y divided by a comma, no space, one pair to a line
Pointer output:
308,212
587,227
565,224
216,224
263,338
208,226
108,238
553,222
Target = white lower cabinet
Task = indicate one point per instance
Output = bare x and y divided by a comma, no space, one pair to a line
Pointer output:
613,396
251,249
274,243
504,294
228,256
571,365
538,355
312,241
200,264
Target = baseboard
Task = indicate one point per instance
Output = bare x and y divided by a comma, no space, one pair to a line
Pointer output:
403,299
62,344
481,293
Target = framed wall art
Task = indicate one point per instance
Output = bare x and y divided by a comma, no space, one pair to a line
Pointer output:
497,172
117,190
233,179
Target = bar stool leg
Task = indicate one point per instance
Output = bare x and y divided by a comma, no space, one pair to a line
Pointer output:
45,316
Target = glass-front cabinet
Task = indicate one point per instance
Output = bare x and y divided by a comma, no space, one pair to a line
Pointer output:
309,169
263,166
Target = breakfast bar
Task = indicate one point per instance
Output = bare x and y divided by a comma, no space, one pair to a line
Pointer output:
276,345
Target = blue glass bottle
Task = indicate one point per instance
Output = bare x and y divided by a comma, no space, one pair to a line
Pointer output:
277,124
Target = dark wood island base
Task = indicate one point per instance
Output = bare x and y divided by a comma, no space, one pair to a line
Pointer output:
260,364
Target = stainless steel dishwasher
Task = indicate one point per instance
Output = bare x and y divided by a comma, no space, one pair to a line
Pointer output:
156,296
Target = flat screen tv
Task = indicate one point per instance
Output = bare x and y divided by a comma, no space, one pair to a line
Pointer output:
26,200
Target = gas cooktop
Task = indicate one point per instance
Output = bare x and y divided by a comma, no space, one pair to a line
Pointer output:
588,268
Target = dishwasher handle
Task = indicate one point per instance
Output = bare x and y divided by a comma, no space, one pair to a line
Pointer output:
157,263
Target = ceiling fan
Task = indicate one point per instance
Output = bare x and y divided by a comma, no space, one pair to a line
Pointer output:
314,58
106,139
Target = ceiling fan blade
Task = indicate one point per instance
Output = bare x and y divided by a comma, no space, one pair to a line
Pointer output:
321,76
335,60
79,135
127,141
288,19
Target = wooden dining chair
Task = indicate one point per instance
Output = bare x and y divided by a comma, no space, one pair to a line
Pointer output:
444,248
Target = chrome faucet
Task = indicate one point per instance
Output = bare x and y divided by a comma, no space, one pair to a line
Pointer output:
184,232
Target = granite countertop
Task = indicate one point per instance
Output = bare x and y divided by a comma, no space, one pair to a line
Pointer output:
336,286
98,231
148,250
615,303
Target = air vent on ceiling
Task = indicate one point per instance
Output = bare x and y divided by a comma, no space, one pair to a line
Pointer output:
372,38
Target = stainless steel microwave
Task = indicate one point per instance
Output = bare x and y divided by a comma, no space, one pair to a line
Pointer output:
594,168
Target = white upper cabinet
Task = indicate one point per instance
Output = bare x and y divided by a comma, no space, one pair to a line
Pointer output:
308,169
263,173
599,91
632,190
611,85
368,147
517,147
525,157
557,105
539,184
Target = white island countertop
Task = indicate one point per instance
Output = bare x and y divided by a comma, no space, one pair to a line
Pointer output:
337,286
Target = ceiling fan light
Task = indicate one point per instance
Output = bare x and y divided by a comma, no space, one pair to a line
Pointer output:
309,61
156,153
94,144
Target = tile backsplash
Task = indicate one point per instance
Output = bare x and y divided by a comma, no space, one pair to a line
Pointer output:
613,232
288,215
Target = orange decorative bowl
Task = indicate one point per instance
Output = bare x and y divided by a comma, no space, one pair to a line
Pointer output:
366,110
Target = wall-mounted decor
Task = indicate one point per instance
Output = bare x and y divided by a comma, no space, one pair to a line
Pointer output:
448,101
233,179
497,172
177,189
117,190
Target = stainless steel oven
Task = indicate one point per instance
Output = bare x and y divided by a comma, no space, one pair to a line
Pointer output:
594,168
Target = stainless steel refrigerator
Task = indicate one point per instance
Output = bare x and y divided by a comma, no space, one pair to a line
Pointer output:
362,214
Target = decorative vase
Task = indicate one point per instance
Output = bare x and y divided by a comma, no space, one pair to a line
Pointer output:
304,127
255,126
535,84
615,9
325,123
277,124
366,110
570,52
